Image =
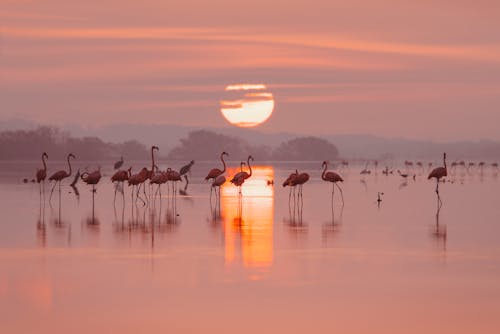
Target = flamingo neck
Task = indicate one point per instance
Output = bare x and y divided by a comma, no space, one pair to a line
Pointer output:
325,166
249,167
69,165
152,160
223,163
44,164
444,161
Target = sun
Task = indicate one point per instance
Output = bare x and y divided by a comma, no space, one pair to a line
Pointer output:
247,105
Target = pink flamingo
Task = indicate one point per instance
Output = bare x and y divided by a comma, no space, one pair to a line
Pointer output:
41,174
136,180
300,180
290,183
92,179
120,177
334,178
60,175
217,184
438,173
214,172
175,177
240,177
159,178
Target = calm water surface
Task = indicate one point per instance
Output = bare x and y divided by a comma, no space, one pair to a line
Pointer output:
262,265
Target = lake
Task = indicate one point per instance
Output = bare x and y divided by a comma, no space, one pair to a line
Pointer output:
255,263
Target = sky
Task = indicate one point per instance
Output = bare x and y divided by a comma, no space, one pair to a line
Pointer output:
420,70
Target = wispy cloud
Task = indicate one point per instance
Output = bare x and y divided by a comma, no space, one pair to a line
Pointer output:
484,52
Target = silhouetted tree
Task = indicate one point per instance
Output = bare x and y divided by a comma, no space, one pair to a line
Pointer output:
306,148
207,145
28,145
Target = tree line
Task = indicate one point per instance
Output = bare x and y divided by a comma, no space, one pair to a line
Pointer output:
198,145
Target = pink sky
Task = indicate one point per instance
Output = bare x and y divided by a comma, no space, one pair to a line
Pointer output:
388,68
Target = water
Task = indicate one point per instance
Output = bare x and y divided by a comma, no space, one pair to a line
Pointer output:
397,268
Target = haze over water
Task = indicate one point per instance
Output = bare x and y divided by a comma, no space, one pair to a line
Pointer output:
374,269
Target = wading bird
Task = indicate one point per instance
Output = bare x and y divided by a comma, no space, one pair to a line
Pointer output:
119,178
41,174
215,172
60,175
300,180
438,173
240,177
119,163
334,178
92,179
137,180
184,171
403,175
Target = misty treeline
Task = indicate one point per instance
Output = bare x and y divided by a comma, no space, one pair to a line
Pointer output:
205,145
29,145
199,145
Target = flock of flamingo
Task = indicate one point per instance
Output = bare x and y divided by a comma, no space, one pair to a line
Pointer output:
215,176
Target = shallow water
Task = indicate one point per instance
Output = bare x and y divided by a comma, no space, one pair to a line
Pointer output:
263,265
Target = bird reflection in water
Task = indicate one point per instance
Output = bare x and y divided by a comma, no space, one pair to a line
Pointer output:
438,231
329,229
41,232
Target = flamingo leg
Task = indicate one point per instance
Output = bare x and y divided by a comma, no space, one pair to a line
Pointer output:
341,193
145,194
50,198
138,195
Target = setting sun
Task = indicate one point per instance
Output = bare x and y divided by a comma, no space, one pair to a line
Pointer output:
248,105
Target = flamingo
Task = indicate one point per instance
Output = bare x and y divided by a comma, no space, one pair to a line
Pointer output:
300,180
240,177
214,172
481,166
290,178
217,183
365,170
119,163
158,178
334,178
61,175
173,176
151,172
403,175
41,174
120,177
92,179
137,180
438,173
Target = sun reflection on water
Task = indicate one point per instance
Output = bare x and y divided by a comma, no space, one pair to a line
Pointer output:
249,220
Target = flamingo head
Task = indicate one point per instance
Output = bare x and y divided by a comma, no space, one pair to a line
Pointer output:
225,153
154,148
250,157
192,162
45,155
71,155
324,164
